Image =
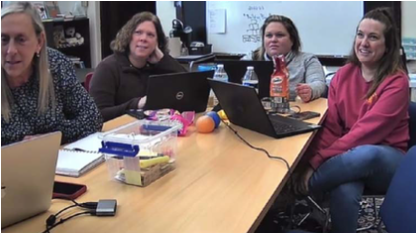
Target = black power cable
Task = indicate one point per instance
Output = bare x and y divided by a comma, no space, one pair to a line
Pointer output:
256,148
87,205
291,178
68,218
51,221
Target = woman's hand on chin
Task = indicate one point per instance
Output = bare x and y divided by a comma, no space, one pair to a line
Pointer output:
156,56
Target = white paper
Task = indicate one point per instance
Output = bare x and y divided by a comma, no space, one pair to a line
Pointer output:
89,143
75,163
80,156
216,20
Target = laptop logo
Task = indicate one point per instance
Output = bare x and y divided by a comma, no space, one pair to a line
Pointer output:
180,95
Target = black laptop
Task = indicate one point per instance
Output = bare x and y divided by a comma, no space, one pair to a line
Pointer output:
244,108
180,91
237,68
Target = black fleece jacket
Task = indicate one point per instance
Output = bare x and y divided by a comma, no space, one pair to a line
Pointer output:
118,86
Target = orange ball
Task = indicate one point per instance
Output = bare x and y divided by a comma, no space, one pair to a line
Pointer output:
205,124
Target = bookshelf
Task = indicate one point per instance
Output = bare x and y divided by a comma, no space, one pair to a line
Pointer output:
60,36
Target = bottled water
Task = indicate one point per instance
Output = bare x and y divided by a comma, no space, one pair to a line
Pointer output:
250,78
220,75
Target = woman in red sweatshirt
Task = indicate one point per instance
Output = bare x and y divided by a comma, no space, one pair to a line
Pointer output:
365,133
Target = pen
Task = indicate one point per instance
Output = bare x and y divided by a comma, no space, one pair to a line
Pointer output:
78,149
150,157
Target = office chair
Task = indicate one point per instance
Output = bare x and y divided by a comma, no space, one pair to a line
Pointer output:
325,93
398,209
87,81
404,59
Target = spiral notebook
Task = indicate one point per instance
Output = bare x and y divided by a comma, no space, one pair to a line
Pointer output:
79,157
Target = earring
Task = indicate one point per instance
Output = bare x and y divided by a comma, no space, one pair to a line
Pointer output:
38,54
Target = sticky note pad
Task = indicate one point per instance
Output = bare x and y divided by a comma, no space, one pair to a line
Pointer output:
133,177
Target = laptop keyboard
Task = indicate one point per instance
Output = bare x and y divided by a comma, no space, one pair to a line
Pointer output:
281,127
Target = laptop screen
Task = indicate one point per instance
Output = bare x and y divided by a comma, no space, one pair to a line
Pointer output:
27,176
179,91
237,68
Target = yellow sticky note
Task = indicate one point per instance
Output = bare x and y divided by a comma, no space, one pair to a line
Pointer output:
133,177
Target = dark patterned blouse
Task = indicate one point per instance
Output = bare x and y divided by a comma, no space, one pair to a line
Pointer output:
75,113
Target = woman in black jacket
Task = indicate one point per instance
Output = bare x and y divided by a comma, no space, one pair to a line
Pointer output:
140,50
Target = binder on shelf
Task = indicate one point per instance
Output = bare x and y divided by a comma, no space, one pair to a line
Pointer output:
79,157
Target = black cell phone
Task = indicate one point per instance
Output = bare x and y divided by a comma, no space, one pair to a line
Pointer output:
304,115
138,114
68,191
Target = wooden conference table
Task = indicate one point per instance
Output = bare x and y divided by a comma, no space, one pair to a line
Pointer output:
219,185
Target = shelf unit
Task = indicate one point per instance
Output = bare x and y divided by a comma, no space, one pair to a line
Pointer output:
81,26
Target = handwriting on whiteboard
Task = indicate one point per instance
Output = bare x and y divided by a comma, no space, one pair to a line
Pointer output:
255,21
256,8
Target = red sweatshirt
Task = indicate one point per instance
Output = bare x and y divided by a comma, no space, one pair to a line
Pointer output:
352,121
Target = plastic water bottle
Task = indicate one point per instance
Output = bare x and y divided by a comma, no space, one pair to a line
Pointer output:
250,78
220,75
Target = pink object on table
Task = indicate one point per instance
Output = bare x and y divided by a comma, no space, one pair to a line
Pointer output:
186,118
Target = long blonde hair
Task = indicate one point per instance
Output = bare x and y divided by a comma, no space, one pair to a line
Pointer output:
40,63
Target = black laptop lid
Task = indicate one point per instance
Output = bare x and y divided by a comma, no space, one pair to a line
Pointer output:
237,68
180,91
242,106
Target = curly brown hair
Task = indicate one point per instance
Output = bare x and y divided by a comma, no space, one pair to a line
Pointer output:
124,36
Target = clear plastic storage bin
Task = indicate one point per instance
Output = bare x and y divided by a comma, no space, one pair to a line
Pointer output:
141,152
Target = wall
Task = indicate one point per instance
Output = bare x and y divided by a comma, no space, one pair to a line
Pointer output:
73,7
322,32
93,13
408,19
166,12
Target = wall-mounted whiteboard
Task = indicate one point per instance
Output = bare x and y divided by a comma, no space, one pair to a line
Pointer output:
325,28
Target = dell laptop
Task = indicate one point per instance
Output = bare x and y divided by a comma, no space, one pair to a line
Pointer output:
27,177
179,91
244,108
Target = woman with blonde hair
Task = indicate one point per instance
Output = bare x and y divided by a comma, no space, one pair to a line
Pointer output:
140,50
39,90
